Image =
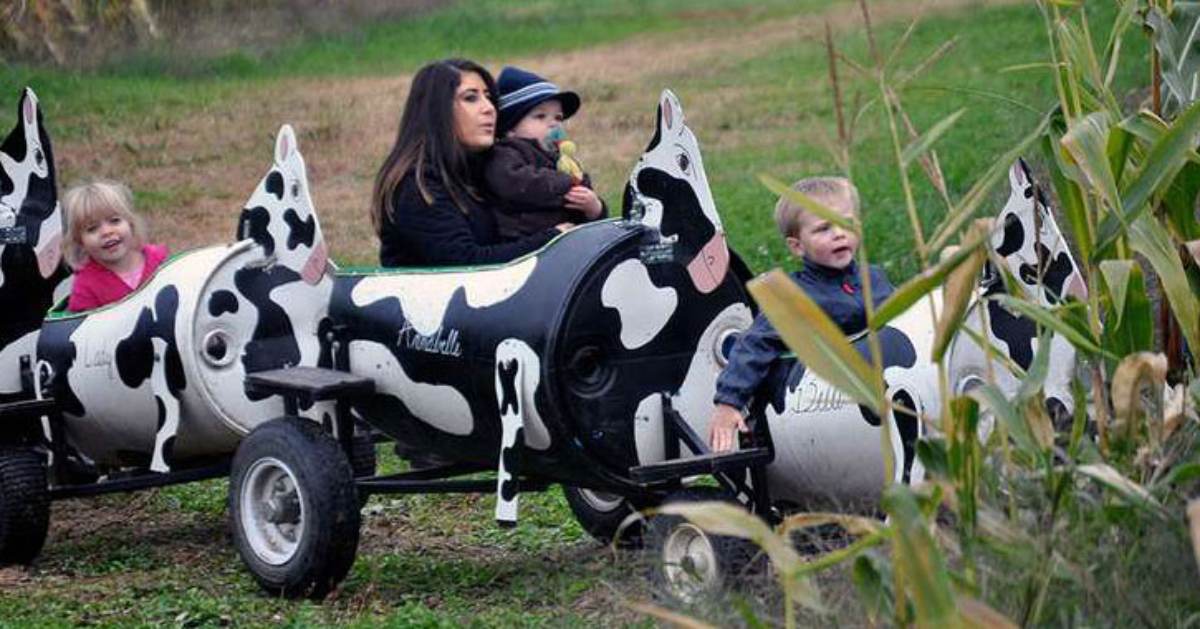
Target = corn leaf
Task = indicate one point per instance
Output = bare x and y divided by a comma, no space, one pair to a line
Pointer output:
1132,372
1149,238
919,560
1086,142
1184,473
1129,320
1116,277
976,613
964,458
872,589
933,455
1193,515
1046,318
1177,34
1070,199
1035,376
1180,202
676,619
722,518
854,524
1163,161
926,281
818,343
1133,493
961,283
809,204
991,397
919,146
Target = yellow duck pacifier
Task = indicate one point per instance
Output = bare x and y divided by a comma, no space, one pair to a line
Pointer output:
567,162
566,154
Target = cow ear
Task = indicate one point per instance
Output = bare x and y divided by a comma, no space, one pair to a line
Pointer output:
1018,175
29,107
670,113
285,144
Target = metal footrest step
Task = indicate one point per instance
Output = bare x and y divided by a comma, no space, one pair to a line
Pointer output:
704,464
311,383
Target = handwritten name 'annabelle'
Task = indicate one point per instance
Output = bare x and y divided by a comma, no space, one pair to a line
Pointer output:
443,341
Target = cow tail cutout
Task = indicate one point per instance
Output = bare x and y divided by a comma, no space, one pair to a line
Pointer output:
510,394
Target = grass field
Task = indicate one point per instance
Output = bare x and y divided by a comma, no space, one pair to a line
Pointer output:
193,139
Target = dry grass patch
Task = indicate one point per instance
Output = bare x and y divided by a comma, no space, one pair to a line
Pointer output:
194,173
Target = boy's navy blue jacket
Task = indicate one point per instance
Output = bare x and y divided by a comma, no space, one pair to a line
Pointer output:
837,291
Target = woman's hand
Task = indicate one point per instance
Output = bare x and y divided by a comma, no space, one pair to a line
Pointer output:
583,199
565,227
723,428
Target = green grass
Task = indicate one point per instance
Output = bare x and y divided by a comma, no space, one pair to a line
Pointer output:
785,110
158,86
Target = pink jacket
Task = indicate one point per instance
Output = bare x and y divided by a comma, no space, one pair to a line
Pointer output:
96,286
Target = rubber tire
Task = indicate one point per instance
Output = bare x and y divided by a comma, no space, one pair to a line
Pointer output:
24,505
734,557
604,523
329,506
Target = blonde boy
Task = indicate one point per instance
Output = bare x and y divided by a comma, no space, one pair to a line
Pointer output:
829,275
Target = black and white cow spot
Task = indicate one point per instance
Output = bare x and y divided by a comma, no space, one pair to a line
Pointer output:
135,353
222,302
273,343
512,463
300,232
274,184
1016,332
1014,236
506,374
253,225
897,351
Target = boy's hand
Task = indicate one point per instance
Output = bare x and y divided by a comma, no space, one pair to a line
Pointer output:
723,428
583,199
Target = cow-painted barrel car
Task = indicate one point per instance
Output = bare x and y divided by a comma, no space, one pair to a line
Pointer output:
590,363
149,390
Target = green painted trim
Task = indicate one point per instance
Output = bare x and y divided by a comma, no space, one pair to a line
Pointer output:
59,310
424,270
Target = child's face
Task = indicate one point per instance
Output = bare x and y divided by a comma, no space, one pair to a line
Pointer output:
108,239
823,242
540,120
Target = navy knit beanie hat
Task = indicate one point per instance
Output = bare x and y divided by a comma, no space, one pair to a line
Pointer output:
521,91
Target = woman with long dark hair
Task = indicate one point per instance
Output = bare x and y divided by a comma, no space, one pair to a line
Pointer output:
428,206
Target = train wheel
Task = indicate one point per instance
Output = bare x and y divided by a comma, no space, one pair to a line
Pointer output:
601,515
24,505
690,562
294,508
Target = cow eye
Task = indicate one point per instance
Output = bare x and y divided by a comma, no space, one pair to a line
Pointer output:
684,163
38,157
295,189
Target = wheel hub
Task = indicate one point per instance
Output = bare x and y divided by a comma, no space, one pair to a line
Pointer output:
690,562
272,510
283,507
